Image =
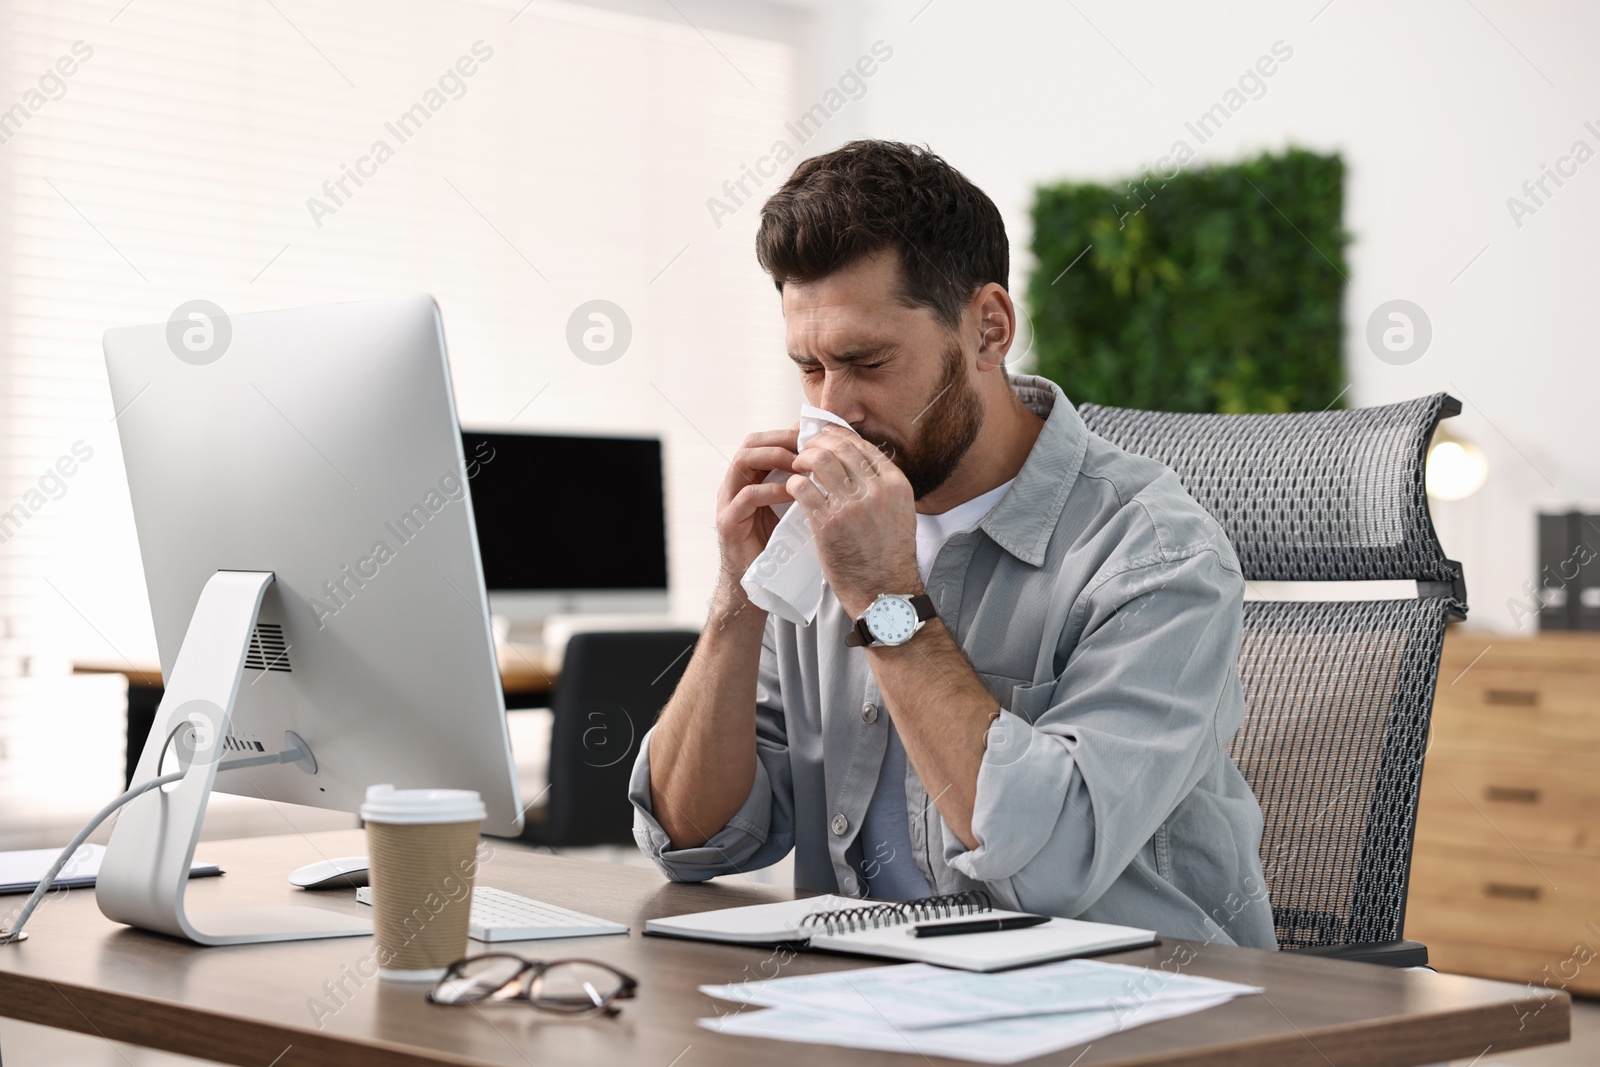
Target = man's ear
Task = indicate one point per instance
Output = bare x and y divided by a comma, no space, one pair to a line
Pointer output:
996,319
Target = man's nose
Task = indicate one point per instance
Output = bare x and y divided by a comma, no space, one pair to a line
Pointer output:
838,397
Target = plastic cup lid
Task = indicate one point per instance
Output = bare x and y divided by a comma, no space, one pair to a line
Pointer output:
386,804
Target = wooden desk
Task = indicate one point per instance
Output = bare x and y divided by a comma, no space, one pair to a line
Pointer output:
255,1004
528,679
523,673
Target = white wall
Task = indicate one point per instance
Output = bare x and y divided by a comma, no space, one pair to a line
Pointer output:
1440,110
178,163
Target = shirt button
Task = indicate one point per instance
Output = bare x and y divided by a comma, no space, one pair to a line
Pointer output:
869,713
840,825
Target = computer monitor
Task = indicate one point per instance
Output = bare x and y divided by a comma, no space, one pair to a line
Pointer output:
309,549
569,525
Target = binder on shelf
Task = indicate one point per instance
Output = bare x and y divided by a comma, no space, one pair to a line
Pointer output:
1586,538
1560,559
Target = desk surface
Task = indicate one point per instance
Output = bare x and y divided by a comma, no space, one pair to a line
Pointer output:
525,670
256,1004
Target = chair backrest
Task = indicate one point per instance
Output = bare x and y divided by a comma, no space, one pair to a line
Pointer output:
612,686
1338,693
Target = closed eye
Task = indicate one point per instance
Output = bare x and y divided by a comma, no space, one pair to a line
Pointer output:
847,362
816,368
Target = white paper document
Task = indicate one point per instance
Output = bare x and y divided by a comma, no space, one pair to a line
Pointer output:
20,871
922,995
995,1041
986,1018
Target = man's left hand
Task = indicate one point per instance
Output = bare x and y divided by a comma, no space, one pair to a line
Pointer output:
865,527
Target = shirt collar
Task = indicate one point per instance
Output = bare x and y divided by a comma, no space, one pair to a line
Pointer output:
1026,517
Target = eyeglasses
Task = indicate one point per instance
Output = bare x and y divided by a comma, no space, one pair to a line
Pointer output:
571,987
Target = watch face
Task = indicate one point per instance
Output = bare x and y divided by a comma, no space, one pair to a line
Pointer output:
892,619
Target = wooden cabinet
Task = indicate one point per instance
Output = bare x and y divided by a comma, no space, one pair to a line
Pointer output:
1505,873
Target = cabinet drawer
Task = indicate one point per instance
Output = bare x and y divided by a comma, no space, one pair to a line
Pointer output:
1498,897
1568,972
1521,710
1471,803
1576,653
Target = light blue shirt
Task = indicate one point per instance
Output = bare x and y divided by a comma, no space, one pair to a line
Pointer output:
1103,610
886,861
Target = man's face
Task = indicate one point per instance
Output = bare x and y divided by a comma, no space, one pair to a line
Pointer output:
894,373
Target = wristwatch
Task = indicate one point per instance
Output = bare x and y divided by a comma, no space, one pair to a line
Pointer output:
891,620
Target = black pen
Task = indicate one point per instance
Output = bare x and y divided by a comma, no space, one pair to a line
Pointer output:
979,926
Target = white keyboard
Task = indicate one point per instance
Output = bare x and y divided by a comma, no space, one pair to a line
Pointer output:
501,916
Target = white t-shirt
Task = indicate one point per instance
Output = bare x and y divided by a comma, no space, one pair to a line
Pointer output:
934,530
888,868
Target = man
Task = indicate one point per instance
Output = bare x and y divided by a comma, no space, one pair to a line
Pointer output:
1023,675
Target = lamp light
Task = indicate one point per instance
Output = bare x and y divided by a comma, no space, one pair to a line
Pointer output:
1456,468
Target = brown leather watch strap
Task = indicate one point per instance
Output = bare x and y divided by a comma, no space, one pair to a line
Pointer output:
858,636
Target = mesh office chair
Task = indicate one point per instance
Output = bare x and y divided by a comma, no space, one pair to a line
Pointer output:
612,686
1338,693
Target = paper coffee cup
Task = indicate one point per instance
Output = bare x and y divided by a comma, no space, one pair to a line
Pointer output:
422,853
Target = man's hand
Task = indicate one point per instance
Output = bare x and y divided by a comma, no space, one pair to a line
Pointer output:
703,751
744,518
865,530
865,527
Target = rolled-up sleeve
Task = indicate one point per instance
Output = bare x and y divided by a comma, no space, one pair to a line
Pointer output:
761,832
1083,769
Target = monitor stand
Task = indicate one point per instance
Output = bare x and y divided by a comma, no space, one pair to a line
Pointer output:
145,869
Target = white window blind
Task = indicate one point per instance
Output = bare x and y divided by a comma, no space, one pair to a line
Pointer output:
536,159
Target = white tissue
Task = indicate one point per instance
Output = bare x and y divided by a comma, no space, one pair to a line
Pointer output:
786,579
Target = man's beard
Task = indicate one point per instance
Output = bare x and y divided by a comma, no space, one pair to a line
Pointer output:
945,429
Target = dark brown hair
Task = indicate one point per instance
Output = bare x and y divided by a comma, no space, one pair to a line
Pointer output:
871,195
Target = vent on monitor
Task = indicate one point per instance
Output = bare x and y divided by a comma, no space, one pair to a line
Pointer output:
267,649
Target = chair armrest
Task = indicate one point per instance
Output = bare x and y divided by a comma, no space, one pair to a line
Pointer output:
1387,953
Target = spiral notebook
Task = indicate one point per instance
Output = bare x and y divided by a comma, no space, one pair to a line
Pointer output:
841,924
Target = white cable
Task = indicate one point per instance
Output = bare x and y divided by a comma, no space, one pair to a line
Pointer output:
14,933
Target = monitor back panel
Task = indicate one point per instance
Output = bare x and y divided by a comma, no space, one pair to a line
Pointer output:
323,446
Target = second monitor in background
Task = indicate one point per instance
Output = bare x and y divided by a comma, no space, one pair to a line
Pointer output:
569,525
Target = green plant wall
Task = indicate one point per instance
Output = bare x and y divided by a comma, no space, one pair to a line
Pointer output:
1218,289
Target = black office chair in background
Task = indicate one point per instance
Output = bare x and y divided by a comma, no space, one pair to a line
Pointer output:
612,686
1338,692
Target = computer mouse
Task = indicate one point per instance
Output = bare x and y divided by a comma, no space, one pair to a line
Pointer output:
346,872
